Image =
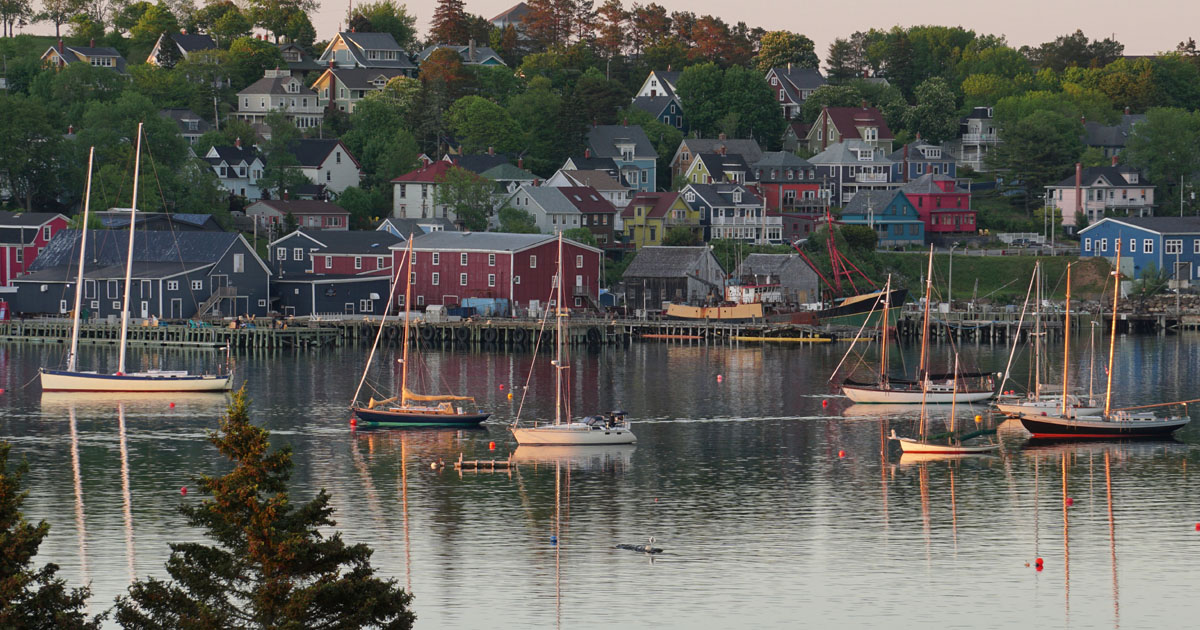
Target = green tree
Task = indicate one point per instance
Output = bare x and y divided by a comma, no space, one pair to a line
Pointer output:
300,30
700,89
538,114
281,173
581,235
388,16
749,97
777,49
935,115
31,597
249,57
58,13
467,195
29,150
223,20
364,206
843,62
1038,150
273,15
1076,50
478,124
156,20
449,24
681,236
516,221
829,96
1167,146
379,137
271,566
597,99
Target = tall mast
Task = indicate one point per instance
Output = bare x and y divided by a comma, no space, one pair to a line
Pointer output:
407,300
1112,341
558,317
400,266
1092,364
925,341
1066,343
1037,334
87,202
883,332
137,163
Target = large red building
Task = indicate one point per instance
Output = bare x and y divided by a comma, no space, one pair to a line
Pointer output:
943,205
22,238
452,266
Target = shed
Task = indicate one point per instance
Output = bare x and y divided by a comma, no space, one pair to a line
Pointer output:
682,275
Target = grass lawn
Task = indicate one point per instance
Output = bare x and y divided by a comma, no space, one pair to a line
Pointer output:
1002,279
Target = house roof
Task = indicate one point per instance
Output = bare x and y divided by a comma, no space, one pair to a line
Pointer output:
870,200
364,78
795,79
306,62
359,42
233,154
721,195
717,165
916,153
847,120
653,105
416,227
470,55
798,129
508,172
765,264
926,185
604,141
513,14
1098,135
980,113
551,200
137,271
599,180
311,152
109,247
660,261
587,199
781,159
276,83
846,153
1115,175
584,163
430,174
301,206
659,202
189,42
353,241
113,219
74,54
479,162
1161,225
748,149
483,241
27,219
181,116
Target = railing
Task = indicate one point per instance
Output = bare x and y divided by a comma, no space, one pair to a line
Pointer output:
750,221
871,177
218,295
980,138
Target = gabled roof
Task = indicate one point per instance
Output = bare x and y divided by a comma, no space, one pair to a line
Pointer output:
927,185
979,113
359,43
512,15
653,105
306,62
137,271
795,79
109,247
846,153
416,227
312,152
231,154
766,264
1114,175
508,173
587,199
593,163
27,219
916,153
718,165
748,149
660,261
471,55
604,141
872,200
1098,135
847,120
721,195
1161,225
781,159
363,78
478,163
181,116
659,202
275,82
113,219
352,241
503,242
550,200
75,54
599,180
190,42
301,206
430,174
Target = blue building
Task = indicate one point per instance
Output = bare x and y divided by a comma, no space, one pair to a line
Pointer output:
631,152
894,218
1170,243
665,109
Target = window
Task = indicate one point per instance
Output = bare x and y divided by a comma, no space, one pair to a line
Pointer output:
46,233
492,259
116,305
462,279
96,303
281,253
197,285
1087,244
420,300
1147,246
172,285
870,134
533,261
358,262
437,258
112,289
491,279
1196,246
462,260
1102,244
298,253
437,278
1173,246
20,254
400,190
328,262
516,279
239,263
338,157
1132,245
380,262
262,302
365,306
412,277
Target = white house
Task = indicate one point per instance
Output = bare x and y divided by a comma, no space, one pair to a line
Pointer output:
327,162
612,190
279,91
237,168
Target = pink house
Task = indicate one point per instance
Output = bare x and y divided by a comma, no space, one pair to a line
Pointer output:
1098,190
942,204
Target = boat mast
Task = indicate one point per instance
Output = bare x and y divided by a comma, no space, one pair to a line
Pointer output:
1092,365
1066,342
954,396
558,317
883,332
87,202
1037,334
408,253
1112,341
925,340
137,163
379,331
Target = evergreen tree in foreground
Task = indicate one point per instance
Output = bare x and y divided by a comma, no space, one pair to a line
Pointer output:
271,567
31,598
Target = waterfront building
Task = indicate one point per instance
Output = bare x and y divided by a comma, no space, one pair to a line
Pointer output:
1099,190
23,236
332,252
402,228
890,213
1162,244
798,283
732,211
630,150
944,206
331,295
650,216
679,275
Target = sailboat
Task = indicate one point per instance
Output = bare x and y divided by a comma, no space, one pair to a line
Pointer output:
613,429
1038,401
73,380
932,388
954,443
1112,423
410,409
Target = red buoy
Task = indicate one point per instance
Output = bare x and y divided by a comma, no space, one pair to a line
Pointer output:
183,491
172,405
353,422
720,378
841,453
501,387
491,446
1070,501
1038,562
1198,527
1039,566
824,403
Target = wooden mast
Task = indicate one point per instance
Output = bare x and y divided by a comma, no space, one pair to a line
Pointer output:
137,162
558,317
921,371
1112,342
883,332
87,202
1066,343
407,301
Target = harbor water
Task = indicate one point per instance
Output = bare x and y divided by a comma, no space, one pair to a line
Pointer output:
776,502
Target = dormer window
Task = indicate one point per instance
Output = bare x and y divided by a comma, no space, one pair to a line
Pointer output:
870,134
933,152
866,155
691,196
737,196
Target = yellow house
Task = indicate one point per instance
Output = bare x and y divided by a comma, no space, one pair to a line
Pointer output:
649,216
717,168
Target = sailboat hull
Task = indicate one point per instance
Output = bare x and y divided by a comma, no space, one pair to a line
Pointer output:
1099,427
908,445
1049,405
573,434
404,418
868,394
64,381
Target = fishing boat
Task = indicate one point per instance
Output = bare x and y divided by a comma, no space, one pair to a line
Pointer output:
410,409
928,387
72,379
1132,422
613,428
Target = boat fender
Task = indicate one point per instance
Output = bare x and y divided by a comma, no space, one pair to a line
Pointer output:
392,332
489,335
428,333
593,335
462,334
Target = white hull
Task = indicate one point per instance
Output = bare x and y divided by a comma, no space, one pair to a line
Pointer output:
573,434
1049,406
909,445
142,382
910,397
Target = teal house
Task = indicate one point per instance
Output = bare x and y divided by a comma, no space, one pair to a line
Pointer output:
631,152
894,218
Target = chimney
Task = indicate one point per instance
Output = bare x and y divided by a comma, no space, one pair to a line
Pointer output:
520,162
92,43
471,49
721,136
1114,158
625,122
331,64
905,164
491,150
71,131
285,195
1126,110
60,46
1078,187
789,67
587,154
238,142
183,31
721,150
1082,120
864,103
537,182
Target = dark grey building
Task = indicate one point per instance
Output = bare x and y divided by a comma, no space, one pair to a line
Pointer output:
329,252
681,275
175,275
333,295
797,281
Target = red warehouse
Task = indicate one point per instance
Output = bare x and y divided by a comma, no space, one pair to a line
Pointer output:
22,238
452,266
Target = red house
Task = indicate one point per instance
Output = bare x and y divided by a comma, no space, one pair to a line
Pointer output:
22,238
452,266
944,206
314,215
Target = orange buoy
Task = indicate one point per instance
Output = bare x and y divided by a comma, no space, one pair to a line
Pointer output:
491,446
510,395
841,453
978,419
502,387
720,378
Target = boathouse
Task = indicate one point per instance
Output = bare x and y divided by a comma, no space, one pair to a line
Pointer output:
681,275
1159,243
798,283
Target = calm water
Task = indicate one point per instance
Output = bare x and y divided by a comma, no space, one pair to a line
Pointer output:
740,480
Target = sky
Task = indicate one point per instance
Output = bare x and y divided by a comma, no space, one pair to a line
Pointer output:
1145,27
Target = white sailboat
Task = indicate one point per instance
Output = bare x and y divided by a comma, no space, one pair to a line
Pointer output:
611,429
74,380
